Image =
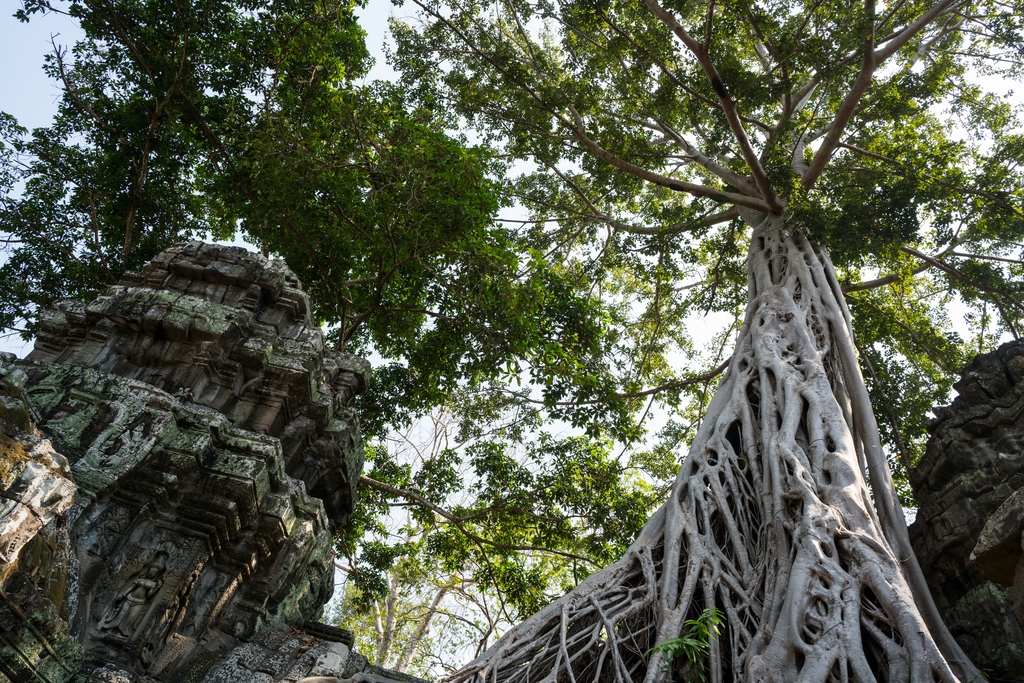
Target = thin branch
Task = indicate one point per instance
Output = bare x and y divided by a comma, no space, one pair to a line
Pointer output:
938,181
706,220
849,105
883,281
668,72
983,257
457,521
668,386
957,275
723,172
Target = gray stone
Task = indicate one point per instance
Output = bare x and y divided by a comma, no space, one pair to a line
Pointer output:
174,459
111,674
970,489
332,661
999,546
225,328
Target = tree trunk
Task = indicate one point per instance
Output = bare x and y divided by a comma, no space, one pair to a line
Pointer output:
770,520
421,631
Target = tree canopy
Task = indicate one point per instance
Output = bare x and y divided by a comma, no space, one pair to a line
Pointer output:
660,138
651,129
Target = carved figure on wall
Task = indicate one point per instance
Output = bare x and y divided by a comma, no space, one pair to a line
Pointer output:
112,529
124,614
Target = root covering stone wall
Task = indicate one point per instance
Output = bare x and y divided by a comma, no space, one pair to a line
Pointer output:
174,459
970,490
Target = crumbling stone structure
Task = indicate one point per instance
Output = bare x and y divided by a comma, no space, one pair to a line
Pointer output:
968,533
174,458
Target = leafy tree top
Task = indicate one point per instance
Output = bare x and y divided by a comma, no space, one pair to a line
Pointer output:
656,134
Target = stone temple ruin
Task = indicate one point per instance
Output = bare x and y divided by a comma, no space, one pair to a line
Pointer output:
968,537
174,458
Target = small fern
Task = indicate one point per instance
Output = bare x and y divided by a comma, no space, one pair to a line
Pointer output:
692,646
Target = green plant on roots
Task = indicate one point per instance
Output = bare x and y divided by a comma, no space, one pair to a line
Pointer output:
692,646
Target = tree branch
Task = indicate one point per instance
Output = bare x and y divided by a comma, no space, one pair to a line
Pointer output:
458,521
662,180
957,275
723,172
849,105
883,281
966,190
728,106
668,386
901,38
983,257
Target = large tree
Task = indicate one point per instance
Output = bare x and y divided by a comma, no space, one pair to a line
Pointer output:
246,118
745,142
252,118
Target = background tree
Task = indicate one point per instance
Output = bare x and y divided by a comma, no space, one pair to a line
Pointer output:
463,532
218,118
668,138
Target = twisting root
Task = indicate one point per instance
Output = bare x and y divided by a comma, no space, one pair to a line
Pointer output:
770,520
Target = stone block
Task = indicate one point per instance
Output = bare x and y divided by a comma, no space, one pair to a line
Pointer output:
970,488
332,661
188,547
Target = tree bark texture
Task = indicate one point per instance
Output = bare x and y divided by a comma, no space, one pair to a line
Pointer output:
770,520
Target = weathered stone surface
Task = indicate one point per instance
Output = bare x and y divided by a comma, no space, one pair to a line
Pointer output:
35,480
36,491
174,458
227,329
999,547
967,535
283,656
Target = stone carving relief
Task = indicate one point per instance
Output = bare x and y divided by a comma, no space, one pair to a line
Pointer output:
203,452
131,602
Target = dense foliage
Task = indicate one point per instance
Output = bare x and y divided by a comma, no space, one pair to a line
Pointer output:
643,161
634,162
249,119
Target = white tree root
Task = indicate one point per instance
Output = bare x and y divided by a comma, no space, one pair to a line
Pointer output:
770,520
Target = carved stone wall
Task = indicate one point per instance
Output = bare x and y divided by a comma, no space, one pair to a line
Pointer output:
970,489
36,559
174,458
224,328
